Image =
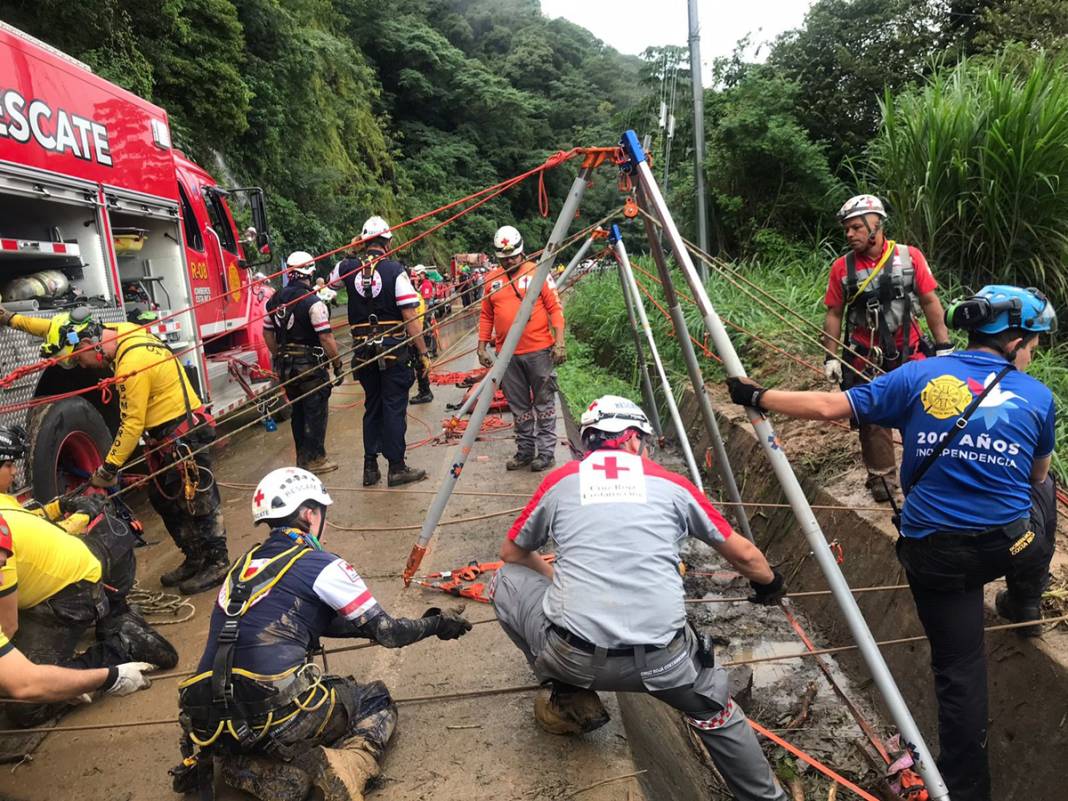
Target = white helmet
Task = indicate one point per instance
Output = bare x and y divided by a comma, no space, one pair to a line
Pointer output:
507,242
376,228
859,206
282,491
301,263
612,415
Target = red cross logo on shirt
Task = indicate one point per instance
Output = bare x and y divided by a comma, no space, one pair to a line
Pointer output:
258,498
611,468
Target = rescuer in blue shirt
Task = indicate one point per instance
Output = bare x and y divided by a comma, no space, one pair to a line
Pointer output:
982,509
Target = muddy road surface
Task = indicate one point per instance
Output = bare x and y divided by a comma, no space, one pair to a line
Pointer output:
442,749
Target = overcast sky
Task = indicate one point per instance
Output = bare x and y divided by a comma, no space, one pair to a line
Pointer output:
630,26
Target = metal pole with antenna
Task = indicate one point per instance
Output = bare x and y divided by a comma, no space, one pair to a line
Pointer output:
873,658
682,336
615,238
496,373
697,83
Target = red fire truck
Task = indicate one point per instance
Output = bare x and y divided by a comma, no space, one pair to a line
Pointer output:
98,208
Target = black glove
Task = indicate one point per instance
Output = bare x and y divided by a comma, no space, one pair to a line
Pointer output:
451,622
746,392
91,505
768,594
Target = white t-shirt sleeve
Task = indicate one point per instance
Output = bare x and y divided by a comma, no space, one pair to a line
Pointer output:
335,275
320,317
404,292
340,587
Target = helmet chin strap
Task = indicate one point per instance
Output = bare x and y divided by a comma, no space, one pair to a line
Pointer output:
873,232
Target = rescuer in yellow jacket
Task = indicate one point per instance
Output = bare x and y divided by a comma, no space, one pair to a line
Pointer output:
156,401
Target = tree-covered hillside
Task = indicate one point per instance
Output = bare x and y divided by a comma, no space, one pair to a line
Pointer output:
344,108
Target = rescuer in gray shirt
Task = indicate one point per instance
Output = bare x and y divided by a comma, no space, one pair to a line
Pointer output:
609,613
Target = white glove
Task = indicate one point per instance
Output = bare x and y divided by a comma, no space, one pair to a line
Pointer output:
131,678
832,368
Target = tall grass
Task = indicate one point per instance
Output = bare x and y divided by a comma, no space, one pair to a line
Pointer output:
975,166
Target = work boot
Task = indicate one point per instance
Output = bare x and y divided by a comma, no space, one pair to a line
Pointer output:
542,463
881,486
1016,612
424,396
320,466
402,474
341,774
186,570
519,461
142,643
371,474
563,709
266,778
212,574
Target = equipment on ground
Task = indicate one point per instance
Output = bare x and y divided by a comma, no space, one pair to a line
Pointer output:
998,307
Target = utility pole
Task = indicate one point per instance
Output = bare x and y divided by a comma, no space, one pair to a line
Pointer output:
698,132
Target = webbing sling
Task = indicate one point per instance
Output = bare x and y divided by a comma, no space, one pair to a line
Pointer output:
239,596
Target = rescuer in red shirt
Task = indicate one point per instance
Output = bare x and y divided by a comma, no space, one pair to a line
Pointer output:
875,294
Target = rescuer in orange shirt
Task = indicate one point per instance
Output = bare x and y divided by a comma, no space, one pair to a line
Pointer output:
529,383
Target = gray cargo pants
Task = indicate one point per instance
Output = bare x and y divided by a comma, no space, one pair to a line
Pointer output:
670,674
529,384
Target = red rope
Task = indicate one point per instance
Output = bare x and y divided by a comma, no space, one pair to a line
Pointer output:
811,760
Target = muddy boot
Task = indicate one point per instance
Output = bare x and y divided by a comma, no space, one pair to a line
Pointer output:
1017,612
341,773
562,709
266,778
519,461
402,474
142,643
881,487
542,463
371,474
320,466
211,575
186,570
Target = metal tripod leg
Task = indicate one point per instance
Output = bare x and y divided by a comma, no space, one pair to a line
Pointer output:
616,241
565,276
474,425
708,415
643,366
899,711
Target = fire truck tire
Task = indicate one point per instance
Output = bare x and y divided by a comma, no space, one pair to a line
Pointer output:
68,440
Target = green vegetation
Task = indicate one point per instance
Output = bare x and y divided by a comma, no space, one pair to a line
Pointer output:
344,108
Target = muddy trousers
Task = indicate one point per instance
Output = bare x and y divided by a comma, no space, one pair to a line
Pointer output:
670,674
385,416
529,384
946,573
50,632
311,411
196,525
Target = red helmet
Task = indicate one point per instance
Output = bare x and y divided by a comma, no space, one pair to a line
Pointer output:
5,537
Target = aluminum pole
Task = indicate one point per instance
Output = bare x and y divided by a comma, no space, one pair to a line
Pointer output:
697,379
496,373
643,366
616,240
697,83
465,407
881,675
561,282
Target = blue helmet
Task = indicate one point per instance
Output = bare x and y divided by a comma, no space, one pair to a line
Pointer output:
998,307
